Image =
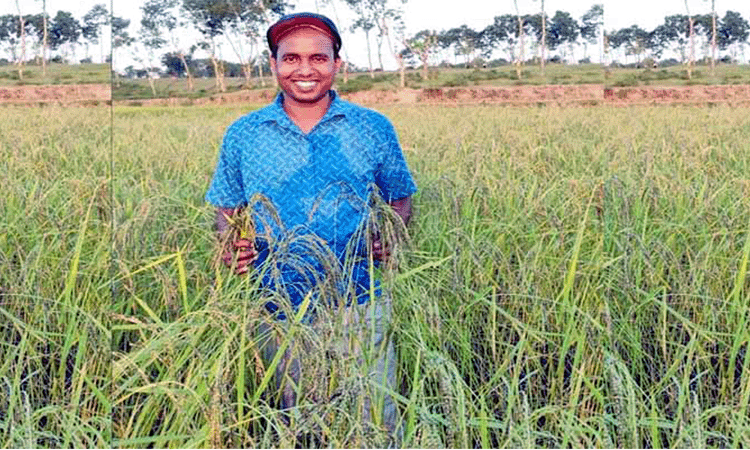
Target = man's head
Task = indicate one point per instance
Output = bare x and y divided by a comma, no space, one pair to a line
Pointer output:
305,55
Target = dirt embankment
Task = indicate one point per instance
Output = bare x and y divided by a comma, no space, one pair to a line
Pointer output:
68,94
701,95
565,95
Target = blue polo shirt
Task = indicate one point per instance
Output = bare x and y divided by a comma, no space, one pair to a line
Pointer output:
320,184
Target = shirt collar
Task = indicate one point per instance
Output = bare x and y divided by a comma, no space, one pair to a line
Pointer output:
276,113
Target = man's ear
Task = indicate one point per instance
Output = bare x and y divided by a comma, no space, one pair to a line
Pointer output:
338,62
272,62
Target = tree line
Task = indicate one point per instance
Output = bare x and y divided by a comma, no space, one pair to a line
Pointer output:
44,38
683,34
165,37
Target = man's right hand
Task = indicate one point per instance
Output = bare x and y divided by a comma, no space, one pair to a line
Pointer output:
241,257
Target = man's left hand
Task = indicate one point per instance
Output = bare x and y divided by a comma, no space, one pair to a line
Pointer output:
380,252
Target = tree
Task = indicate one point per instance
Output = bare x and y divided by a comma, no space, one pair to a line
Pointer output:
175,63
536,27
396,23
365,22
93,22
209,22
591,23
635,40
702,26
160,16
65,29
10,34
120,36
237,21
463,40
675,29
35,28
563,30
503,29
382,14
733,32
423,44
371,14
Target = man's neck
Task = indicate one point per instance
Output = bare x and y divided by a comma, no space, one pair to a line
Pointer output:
306,115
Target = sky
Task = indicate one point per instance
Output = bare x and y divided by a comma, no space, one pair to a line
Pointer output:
422,14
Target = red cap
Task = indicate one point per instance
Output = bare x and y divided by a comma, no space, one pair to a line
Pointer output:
291,22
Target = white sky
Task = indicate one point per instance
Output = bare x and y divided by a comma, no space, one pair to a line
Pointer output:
421,14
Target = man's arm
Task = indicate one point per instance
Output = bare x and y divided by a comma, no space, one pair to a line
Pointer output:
402,207
222,224
242,249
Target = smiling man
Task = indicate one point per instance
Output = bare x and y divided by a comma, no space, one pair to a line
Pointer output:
319,160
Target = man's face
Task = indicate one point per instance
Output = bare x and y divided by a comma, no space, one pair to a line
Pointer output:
304,65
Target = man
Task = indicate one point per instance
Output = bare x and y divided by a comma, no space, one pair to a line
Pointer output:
319,161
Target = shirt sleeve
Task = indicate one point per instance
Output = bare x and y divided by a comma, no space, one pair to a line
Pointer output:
392,176
226,189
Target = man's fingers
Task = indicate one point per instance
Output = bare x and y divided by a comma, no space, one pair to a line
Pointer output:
379,251
243,243
242,257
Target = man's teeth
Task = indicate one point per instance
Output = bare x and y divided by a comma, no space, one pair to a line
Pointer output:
305,84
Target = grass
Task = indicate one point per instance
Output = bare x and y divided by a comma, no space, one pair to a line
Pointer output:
574,277
54,288
56,74
724,74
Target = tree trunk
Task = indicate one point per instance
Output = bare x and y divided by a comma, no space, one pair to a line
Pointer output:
605,54
22,57
247,71
101,45
425,71
218,74
379,42
544,38
189,81
691,60
399,59
152,84
260,73
713,38
401,71
45,38
369,53
521,44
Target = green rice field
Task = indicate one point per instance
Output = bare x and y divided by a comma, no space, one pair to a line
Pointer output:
573,277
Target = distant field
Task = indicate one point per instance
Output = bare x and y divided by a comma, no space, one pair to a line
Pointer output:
56,74
677,76
555,74
437,77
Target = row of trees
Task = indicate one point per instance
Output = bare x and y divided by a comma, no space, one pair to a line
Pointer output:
38,36
241,24
170,32
682,33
